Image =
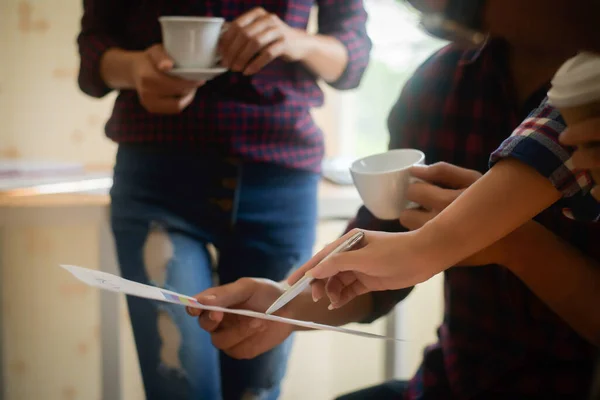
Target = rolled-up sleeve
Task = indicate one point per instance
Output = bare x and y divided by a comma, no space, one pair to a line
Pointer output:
536,143
346,20
101,28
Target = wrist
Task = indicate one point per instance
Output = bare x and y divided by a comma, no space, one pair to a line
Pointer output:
131,60
304,43
117,67
431,244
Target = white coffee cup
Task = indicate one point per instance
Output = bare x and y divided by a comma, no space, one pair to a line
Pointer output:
192,41
382,181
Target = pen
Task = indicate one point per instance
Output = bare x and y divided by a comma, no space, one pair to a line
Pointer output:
305,281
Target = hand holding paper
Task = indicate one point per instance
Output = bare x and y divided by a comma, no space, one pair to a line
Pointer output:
238,336
114,283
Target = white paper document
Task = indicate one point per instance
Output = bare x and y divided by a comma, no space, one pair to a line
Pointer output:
114,283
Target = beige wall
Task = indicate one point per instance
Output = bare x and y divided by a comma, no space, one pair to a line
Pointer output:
42,112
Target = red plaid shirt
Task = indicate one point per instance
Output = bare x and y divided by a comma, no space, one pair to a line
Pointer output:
497,339
265,117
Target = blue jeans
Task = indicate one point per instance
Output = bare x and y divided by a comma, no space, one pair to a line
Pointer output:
167,207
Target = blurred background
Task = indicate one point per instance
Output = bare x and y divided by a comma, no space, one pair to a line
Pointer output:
61,340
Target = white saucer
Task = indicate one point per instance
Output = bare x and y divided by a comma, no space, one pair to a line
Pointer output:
197,74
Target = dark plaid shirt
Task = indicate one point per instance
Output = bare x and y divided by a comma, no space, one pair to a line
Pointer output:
497,339
264,117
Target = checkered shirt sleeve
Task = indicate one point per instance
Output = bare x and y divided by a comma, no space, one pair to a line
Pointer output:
536,143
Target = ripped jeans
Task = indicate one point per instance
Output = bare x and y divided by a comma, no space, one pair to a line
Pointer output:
166,207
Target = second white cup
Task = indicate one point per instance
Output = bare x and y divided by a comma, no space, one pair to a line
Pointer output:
192,41
382,181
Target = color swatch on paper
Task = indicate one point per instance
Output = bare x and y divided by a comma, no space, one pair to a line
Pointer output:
179,299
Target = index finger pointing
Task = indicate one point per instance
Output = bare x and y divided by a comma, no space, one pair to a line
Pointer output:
320,256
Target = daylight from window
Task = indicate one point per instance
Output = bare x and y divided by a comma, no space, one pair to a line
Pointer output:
399,47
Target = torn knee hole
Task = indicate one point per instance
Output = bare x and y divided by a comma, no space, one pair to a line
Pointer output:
170,341
157,253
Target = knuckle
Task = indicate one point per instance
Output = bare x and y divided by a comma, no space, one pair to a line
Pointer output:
442,167
245,281
272,52
247,35
435,169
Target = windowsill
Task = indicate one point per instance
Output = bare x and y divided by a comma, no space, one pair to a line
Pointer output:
335,202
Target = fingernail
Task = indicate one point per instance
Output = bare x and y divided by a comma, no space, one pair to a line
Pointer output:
209,297
212,316
308,274
315,298
331,307
255,324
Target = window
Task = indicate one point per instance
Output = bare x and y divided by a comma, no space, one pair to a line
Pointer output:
355,122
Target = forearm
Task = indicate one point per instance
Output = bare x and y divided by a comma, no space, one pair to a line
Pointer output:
508,196
102,28
304,308
325,56
563,278
116,68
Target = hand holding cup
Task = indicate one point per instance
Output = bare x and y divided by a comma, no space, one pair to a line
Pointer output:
159,92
